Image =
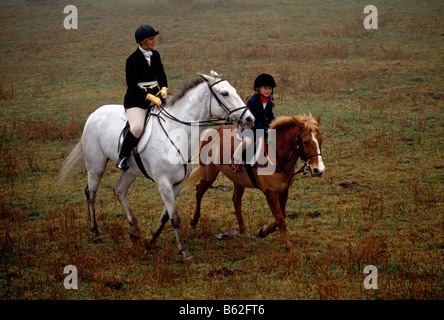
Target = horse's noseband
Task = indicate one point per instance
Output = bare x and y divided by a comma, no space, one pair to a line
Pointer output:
304,157
228,112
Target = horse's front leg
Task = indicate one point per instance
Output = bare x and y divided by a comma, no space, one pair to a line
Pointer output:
274,203
169,193
237,201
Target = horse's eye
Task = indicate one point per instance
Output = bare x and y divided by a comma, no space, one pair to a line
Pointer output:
306,143
225,94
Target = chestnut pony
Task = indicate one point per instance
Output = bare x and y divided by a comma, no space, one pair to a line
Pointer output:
296,137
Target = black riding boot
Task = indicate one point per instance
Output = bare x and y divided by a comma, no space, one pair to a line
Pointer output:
128,144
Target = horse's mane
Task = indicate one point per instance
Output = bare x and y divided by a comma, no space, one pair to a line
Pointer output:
308,122
183,90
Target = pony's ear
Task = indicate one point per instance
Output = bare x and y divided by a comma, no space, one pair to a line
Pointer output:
297,122
318,118
214,74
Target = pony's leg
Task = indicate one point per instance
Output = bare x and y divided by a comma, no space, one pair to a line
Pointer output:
267,229
270,228
121,191
208,175
274,203
237,201
201,188
90,192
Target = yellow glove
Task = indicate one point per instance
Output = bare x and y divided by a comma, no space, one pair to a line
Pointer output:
153,99
163,92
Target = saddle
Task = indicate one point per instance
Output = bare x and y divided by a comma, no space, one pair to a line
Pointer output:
260,152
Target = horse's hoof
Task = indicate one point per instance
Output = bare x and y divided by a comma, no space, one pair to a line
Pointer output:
189,260
149,244
134,237
98,239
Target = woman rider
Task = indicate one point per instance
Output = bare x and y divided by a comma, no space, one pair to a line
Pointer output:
146,81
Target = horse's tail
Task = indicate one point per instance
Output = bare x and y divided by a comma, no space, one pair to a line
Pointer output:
72,164
192,179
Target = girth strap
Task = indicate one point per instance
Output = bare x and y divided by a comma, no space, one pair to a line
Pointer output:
250,173
140,165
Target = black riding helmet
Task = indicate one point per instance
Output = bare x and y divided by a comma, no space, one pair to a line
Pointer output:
144,32
264,80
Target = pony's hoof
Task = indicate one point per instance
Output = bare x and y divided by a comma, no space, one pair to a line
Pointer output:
261,233
246,235
193,223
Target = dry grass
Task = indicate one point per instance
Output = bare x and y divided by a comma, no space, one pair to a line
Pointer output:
380,201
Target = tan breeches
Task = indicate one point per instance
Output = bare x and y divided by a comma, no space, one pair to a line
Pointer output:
136,118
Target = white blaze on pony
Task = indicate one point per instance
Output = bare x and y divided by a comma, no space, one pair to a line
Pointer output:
321,167
209,97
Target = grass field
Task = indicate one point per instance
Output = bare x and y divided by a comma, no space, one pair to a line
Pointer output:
380,201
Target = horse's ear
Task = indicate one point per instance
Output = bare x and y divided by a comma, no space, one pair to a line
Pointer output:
214,74
318,118
205,77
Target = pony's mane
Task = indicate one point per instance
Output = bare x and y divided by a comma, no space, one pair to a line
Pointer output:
183,90
308,122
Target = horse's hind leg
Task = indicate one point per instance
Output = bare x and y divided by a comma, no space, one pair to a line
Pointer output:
201,188
155,232
121,191
90,192
237,201
208,175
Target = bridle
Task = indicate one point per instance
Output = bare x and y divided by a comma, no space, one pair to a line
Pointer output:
228,112
217,121
302,155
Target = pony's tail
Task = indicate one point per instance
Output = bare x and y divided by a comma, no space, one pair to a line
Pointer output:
72,164
192,179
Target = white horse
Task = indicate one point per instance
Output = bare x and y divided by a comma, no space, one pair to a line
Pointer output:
210,96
